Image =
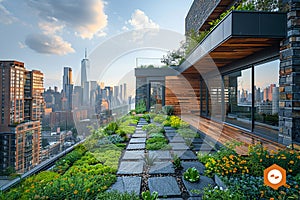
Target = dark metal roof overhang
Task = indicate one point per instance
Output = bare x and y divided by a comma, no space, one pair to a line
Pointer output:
238,36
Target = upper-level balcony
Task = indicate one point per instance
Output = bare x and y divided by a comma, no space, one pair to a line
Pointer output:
239,35
204,11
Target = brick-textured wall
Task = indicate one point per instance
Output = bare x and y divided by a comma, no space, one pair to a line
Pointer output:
289,80
199,12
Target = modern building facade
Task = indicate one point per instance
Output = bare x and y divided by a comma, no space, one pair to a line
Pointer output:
21,108
244,73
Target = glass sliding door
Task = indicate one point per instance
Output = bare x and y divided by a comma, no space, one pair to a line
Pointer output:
266,82
238,98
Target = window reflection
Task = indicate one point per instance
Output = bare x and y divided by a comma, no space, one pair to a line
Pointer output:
238,98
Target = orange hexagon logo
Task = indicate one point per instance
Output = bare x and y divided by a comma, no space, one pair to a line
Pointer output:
274,176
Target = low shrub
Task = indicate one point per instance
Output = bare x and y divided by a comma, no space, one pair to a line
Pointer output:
168,110
192,175
115,195
187,133
159,118
157,144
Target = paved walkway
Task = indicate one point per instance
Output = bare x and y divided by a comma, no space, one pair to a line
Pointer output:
134,175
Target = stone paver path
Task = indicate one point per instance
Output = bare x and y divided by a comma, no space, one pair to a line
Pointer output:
161,175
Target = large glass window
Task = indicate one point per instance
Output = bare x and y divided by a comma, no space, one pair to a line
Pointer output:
238,98
156,96
266,81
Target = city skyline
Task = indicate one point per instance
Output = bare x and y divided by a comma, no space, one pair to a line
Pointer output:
50,40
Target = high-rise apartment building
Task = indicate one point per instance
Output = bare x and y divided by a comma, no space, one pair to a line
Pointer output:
20,128
34,90
67,88
85,65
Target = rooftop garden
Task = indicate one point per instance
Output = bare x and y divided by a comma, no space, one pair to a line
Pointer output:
91,170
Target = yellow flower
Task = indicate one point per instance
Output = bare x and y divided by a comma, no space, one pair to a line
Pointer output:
298,157
88,190
292,162
290,170
62,189
260,160
75,191
231,157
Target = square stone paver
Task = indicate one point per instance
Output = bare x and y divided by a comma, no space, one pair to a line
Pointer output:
137,140
199,186
179,146
203,147
165,186
128,184
189,164
197,140
136,146
160,155
168,128
171,134
162,168
130,167
186,155
177,139
139,135
133,155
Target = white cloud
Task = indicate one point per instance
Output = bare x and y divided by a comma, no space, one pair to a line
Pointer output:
5,16
47,44
101,34
85,17
139,20
21,45
125,28
50,28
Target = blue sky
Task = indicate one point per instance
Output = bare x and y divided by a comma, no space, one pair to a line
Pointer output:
50,34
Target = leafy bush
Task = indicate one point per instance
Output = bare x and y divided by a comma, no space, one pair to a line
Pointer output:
157,144
219,193
177,162
251,187
187,133
114,139
147,117
115,195
140,107
109,157
111,128
168,110
149,160
176,122
149,127
63,164
159,118
156,135
124,130
148,196
192,175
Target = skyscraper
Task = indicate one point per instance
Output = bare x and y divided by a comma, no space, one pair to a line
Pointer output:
67,88
85,65
20,130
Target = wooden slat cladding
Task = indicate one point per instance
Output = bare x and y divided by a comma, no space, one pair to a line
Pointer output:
225,133
183,93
